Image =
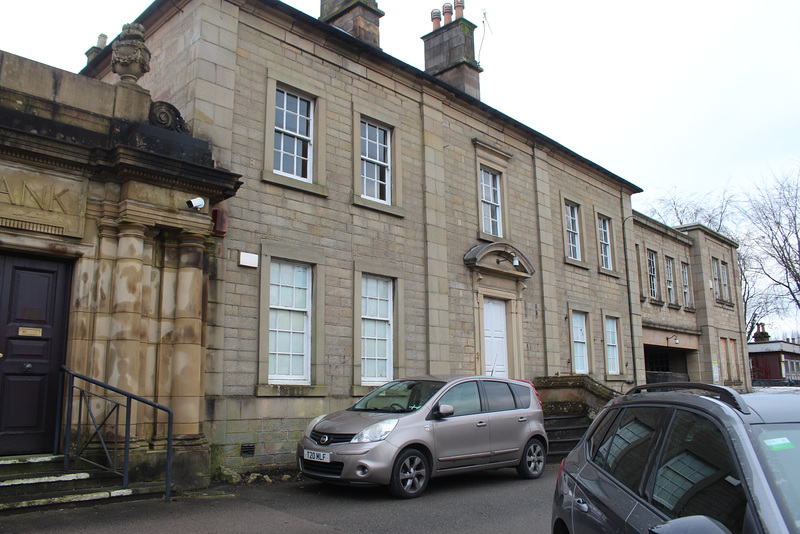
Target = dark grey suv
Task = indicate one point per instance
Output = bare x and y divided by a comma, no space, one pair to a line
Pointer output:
685,457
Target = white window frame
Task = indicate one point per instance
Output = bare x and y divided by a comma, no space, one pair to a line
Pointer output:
491,202
687,292
377,310
279,330
669,269
282,132
715,277
376,154
612,345
572,223
604,238
726,290
652,274
580,342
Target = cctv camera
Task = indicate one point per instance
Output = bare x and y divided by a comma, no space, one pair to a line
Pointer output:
196,203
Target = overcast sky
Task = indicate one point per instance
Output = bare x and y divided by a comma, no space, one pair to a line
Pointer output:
696,95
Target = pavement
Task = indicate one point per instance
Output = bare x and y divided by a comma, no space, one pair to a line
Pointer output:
220,508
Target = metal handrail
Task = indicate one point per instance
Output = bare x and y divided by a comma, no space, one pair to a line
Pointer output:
84,396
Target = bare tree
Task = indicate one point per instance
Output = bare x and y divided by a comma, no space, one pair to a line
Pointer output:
758,299
715,211
773,210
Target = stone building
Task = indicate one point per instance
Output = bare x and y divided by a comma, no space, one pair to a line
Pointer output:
102,263
691,307
388,224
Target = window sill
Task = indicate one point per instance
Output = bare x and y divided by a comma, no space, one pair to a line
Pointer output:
689,309
617,378
576,263
726,304
608,272
377,206
657,302
290,390
483,236
292,183
673,306
360,391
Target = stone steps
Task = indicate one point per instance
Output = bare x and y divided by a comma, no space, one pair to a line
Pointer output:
39,480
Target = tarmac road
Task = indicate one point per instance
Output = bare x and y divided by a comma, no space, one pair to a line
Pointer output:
492,501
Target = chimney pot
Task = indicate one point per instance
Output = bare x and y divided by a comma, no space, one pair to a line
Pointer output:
447,9
436,17
459,9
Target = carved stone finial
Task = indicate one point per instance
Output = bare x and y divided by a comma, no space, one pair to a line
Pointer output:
130,58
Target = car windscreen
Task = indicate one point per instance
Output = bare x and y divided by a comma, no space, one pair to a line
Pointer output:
399,396
778,449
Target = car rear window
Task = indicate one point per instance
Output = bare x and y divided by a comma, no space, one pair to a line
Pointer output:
523,394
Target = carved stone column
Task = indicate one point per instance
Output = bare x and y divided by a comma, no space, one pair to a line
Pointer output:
187,365
126,310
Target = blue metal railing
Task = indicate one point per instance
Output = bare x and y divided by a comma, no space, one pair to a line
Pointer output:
84,397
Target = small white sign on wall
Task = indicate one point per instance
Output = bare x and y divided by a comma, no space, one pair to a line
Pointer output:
247,259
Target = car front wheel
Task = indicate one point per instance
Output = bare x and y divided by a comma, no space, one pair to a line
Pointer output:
410,474
533,459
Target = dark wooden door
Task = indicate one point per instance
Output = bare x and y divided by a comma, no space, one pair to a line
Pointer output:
34,308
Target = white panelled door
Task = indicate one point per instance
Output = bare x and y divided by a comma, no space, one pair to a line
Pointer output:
495,337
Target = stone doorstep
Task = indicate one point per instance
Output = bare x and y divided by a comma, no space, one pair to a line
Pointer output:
41,458
64,499
90,495
67,477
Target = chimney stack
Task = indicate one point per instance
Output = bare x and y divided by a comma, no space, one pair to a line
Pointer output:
761,334
450,50
102,39
359,18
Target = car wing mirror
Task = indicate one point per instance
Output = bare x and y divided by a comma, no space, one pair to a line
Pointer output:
689,525
445,410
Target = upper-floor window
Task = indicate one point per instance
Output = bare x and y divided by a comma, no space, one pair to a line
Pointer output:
376,330
612,346
670,279
726,290
604,237
289,323
652,274
375,167
715,277
687,291
490,203
580,351
293,135
573,231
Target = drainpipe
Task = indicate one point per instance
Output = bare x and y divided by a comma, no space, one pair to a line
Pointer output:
630,302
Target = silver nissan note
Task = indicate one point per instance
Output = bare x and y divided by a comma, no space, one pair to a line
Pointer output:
410,430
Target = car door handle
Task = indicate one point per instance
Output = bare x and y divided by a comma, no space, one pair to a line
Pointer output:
481,424
522,419
581,505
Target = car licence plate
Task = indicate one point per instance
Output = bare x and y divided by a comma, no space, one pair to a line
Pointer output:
324,457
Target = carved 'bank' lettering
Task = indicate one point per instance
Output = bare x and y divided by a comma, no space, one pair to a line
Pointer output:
5,190
43,197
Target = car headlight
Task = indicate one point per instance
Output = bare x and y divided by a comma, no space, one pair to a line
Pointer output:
376,432
312,424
